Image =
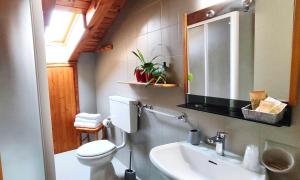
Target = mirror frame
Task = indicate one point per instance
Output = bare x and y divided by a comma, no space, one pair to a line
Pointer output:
200,15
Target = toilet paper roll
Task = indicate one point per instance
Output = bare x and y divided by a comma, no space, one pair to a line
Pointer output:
107,123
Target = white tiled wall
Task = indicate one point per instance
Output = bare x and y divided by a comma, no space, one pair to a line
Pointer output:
154,27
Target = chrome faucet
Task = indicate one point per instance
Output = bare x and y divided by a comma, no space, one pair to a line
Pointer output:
219,140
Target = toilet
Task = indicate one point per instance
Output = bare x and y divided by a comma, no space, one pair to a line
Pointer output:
98,154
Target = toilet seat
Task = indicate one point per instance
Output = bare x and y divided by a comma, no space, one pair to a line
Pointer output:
95,149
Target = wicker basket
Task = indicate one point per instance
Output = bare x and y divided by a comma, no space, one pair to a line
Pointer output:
261,116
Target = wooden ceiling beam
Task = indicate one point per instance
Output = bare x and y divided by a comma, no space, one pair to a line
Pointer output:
101,10
105,13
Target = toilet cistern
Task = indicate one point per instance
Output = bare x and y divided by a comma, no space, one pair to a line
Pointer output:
219,140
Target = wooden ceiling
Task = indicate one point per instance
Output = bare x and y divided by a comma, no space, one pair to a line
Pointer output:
104,14
79,6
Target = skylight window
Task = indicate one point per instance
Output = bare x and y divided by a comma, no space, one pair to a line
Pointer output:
59,26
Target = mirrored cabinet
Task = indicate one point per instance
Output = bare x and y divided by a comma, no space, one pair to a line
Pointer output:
232,49
220,56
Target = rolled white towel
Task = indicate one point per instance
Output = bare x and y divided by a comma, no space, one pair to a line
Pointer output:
86,124
78,119
88,116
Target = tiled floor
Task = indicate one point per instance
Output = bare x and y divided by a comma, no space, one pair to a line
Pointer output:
67,167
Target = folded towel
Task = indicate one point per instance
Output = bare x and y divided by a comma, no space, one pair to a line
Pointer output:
89,116
78,119
271,105
86,124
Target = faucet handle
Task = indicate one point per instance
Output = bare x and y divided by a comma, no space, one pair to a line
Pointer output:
221,134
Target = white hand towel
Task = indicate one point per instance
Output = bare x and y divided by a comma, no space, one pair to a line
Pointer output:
88,116
86,124
78,119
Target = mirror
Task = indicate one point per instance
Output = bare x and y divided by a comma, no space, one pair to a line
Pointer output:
220,58
234,52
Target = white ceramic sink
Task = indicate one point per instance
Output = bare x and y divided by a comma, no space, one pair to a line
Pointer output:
182,160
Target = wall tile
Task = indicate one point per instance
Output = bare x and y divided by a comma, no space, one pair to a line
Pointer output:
154,43
131,65
176,73
141,19
130,26
139,164
131,45
170,41
171,12
154,22
240,134
142,45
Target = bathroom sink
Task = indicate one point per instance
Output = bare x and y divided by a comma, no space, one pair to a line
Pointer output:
182,160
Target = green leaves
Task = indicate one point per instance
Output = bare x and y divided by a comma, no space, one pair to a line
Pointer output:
154,58
140,56
149,67
190,77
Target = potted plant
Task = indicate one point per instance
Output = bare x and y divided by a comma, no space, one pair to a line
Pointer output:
149,71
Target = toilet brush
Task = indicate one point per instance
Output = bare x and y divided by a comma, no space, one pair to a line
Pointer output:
129,173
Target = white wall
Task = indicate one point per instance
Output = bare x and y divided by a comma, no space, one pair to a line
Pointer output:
42,83
21,144
155,26
87,82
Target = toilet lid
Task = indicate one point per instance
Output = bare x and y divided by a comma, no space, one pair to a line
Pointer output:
95,148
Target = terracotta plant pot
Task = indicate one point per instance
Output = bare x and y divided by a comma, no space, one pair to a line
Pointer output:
140,77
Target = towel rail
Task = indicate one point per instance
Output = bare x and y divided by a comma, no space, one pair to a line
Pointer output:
149,108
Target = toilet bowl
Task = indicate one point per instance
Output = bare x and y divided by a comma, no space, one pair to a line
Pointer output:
98,156
96,153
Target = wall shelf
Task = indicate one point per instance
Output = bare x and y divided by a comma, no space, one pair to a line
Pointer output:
144,84
222,107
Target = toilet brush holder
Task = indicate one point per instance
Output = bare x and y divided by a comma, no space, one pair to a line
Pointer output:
129,173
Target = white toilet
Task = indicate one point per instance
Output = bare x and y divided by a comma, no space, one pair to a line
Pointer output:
98,154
